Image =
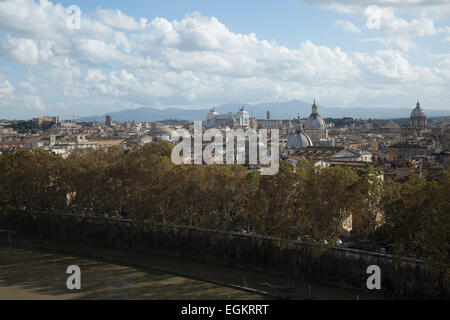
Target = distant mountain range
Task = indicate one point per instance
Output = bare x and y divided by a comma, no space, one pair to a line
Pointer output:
278,110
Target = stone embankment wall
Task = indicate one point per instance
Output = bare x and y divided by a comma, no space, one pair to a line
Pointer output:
340,266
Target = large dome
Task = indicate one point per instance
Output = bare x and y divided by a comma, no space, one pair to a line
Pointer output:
315,121
298,140
418,112
418,117
159,129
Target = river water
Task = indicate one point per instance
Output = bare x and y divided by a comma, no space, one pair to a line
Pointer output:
40,275
30,273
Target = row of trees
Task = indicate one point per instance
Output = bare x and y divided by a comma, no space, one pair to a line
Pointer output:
144,184
304,201
29,126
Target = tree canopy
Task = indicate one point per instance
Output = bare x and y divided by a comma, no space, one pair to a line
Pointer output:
301,201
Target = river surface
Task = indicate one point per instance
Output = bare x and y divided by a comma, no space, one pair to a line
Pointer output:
27,272
41,275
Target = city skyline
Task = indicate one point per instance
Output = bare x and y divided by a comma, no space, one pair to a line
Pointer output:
223,152
200,55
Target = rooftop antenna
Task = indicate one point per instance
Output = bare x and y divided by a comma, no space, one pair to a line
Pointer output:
73,117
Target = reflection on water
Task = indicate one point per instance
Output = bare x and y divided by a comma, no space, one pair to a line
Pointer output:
34,274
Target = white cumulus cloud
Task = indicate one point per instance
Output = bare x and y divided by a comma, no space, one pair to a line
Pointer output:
347,26
116,61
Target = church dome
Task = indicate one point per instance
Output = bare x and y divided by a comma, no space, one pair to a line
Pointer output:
298,140
315,121
418,117
418,112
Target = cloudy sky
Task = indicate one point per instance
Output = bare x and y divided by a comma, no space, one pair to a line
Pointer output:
203,53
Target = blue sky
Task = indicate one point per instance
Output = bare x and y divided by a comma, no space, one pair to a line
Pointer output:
287,22
199,54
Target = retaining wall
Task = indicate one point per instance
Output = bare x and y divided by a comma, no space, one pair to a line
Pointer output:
340,266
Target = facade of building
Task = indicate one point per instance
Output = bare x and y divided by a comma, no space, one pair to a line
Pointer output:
270,124
64,148
42,120
240,119
408,150
441,136
330,142
109,142
348,155
108,121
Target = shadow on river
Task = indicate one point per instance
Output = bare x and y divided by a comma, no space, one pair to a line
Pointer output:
35,274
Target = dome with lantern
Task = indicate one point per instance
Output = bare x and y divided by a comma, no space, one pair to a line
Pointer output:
418,116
